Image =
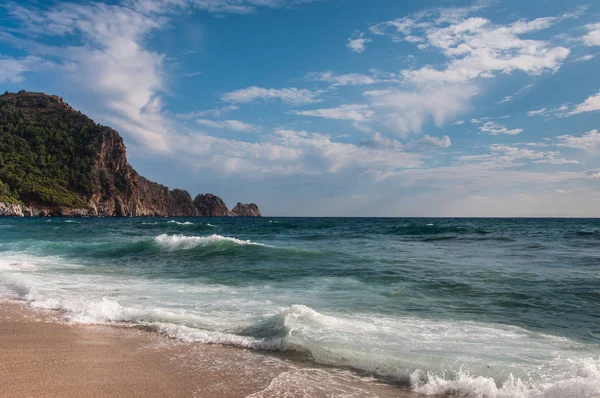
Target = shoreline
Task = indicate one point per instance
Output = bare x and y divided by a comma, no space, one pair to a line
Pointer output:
42,355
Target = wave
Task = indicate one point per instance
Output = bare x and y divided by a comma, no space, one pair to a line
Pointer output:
432,357
587,234
127,253
175,225
180,223
320,337
301,329
181,242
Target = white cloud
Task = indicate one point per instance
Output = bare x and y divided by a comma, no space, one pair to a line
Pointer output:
563,191
557,111
428,141
474,48
234,125
592,38
357,44
238,125
216,112
377,140
209,123
477,48
494,128
338,156
13,69
584,58
594,173
357,113
517,93
458,122
220,6
288,152
506,156
406,111
503,169
538,112
292,95
591,104
354,79
523,89
191,74
589,142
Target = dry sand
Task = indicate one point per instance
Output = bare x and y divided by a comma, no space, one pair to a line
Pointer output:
42,356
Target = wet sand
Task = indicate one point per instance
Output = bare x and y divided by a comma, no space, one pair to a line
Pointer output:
42,356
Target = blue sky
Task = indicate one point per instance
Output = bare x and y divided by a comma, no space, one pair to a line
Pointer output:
334,107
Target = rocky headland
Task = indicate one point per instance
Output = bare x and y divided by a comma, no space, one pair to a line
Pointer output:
55,161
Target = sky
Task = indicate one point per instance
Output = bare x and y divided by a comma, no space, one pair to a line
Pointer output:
334,107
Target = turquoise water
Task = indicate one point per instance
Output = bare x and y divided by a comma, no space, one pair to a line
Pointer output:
479,307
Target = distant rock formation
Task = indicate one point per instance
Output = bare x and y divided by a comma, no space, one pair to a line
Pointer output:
209,205
245,210
56,161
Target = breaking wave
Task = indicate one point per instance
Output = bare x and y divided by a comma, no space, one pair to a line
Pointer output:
352,342
181,242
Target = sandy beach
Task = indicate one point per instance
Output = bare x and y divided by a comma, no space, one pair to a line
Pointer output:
42,356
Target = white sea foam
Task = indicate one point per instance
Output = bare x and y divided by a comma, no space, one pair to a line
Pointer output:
309,383
210,225
10,261
186,333
181,242
180,223
580,380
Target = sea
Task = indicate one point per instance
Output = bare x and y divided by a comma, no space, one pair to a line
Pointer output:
489,307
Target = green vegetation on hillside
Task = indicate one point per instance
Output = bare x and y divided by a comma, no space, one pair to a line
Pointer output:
46,160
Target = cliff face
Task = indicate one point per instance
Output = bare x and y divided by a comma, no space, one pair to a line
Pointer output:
245,210
94,178
121,191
